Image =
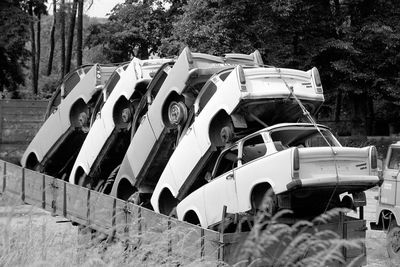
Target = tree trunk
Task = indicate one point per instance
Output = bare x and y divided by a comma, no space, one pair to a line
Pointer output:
71,36
338,105
38,30
359,105
33,52
62,33
52,41
79,39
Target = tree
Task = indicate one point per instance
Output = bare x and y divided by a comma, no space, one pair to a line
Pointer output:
33,50
71,36
35,8
135,28
52,39
62,33
15,25
79,38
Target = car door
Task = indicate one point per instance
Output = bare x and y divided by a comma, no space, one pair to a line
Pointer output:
221,190
390,188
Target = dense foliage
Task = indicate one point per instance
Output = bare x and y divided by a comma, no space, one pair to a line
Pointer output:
354,43
14,35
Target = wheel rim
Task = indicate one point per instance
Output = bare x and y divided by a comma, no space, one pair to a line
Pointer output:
226,134
174,114
177,113
126,115
83,119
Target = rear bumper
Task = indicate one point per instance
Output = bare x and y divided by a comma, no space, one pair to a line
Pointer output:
342,183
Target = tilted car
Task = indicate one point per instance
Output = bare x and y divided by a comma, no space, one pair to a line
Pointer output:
110,133
303,164
231,105
163,119
55,146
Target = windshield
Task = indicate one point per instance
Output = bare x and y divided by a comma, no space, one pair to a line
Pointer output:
303,137
394,158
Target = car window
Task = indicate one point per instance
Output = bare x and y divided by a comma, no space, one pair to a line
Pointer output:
226,162
112,83
302,137
206,93
87,68
54,102
97,107
158,83
224,75
159,78
70,83
253,148
394,159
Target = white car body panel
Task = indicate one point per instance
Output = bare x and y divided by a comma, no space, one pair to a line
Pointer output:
104,124
261,83
59,122
336,169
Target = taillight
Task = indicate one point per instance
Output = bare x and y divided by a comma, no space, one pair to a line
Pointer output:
242,78
296,163
98,74
317,80
373,157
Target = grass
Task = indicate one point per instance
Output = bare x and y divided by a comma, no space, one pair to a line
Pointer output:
30,237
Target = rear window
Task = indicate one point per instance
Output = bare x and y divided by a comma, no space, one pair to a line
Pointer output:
113,82
70,83
206,95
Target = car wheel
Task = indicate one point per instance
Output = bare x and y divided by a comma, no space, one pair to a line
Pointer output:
177,113
393,240
126,115
83,121
226,134
269,203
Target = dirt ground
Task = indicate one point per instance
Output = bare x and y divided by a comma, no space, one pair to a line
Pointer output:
14,213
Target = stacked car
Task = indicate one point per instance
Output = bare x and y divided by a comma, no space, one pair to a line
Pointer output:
189,136
54,148
110,133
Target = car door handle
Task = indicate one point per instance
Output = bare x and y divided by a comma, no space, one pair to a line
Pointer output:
229,177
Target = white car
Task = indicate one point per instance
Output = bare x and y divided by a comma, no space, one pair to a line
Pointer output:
110,134
55,146
163,119
231,105
304,165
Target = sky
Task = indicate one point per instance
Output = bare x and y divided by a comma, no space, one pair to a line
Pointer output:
101,7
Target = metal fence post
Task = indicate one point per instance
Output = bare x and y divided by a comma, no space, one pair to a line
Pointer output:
43,191
23,185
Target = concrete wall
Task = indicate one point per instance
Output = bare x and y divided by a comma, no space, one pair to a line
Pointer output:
19,122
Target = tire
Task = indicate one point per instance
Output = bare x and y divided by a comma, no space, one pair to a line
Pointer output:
226,135
126,115
393,240
83,122
269,204
177,114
